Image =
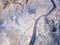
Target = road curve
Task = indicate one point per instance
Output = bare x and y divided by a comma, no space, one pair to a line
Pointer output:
35,25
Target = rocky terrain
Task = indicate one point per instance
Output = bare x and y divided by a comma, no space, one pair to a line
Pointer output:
29,22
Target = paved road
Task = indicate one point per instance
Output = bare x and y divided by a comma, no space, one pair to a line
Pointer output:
35,25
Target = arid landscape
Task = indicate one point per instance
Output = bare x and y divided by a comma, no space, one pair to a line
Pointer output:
29,22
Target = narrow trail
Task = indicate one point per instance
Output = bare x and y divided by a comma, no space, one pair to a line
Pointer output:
35,25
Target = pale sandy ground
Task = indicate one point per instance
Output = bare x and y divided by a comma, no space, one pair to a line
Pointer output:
21,34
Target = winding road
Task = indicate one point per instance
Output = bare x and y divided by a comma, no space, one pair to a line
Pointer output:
35,25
